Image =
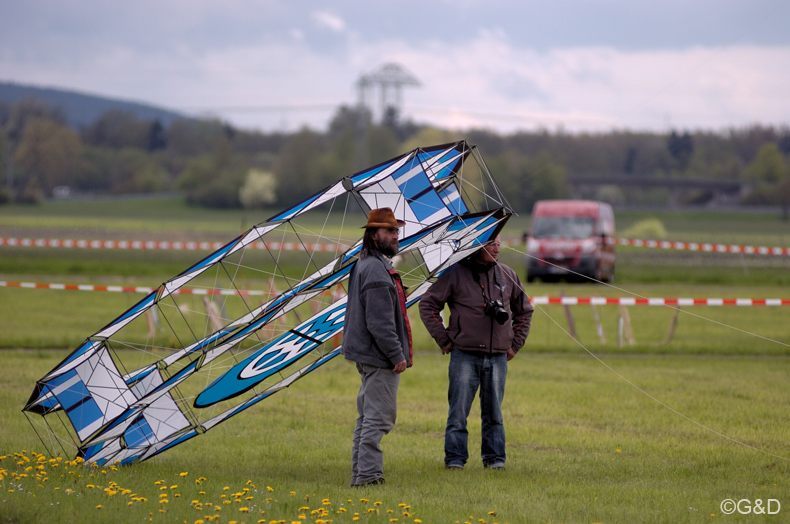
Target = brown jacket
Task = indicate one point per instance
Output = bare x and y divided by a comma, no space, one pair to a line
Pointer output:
470,328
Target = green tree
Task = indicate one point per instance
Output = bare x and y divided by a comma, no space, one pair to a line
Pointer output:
48,152
298,168
118,129
769,166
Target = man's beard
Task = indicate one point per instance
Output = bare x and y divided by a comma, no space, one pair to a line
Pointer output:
387,249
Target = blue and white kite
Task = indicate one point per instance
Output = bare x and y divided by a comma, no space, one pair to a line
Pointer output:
178,362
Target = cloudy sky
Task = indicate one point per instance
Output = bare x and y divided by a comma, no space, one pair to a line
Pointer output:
578,65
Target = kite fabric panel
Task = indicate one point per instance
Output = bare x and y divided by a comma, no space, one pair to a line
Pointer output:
242,324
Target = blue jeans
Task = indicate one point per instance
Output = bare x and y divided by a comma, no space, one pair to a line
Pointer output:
469,372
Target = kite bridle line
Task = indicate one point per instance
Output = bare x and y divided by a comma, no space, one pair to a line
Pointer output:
637,295
642,391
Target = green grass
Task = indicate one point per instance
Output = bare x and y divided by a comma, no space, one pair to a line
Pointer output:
583,446
43,318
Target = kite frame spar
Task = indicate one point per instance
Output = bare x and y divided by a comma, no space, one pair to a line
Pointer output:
112,415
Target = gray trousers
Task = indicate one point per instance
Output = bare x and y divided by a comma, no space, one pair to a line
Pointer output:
377,407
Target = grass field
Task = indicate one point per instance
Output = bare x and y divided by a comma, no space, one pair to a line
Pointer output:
661,430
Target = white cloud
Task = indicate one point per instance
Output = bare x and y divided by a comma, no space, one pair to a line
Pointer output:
330,21
281,84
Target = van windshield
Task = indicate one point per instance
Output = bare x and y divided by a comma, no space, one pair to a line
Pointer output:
563,227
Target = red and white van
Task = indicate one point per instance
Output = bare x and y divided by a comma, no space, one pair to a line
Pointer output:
574,239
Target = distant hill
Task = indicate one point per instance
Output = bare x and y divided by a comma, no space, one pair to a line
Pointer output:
82,109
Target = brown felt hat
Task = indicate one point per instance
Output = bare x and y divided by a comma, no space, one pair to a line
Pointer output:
383,217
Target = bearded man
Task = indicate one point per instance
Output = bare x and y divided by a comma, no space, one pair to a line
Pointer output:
377,337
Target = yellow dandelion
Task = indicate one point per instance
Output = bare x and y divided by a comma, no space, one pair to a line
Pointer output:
244,509
363,500
174,486
418,521
492,513
377,503
158,482
249,498
164,501
199,521
163,496
90,486
268,488
226,488
184,474
99,506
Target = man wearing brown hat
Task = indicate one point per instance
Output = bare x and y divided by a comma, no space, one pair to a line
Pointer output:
377,337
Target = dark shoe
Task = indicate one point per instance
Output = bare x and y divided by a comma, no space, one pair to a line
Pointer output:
495,465
454,467
374,482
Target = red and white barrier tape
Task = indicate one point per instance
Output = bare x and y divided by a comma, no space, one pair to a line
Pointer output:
130,289
142,244
296,246
570,301
713,248
631,301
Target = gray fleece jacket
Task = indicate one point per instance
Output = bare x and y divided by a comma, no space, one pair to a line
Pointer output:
375,332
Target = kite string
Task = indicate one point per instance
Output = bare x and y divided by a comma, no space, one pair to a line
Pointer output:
645,393
667,306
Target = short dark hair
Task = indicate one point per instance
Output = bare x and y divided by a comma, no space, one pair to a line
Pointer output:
369,243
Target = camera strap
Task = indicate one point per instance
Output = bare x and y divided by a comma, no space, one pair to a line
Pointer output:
497,279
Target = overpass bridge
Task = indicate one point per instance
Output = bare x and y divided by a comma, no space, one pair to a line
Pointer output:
721,191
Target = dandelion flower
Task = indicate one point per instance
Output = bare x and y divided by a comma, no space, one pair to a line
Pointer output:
99,506
268,488
184,474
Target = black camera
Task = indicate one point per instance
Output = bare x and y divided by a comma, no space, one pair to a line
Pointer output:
496,310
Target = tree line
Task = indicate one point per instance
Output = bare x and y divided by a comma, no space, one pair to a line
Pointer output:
216,165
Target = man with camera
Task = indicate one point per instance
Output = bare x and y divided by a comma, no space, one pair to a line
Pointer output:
490,317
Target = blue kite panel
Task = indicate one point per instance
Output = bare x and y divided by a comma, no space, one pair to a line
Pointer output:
84,414
418,192
139,433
